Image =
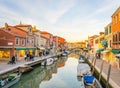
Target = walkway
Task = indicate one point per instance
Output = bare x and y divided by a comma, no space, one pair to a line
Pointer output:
4,67
115,73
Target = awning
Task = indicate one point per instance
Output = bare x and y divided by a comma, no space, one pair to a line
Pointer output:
106,51
42,48
24,48
118,56
85,49
99,50
115,51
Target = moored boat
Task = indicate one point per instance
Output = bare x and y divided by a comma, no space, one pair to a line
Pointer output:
10,80
48,61
81,59
83,69
91,81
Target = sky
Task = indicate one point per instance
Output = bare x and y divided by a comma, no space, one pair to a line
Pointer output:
73,20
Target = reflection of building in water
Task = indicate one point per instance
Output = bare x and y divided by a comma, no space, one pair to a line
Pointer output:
54,70
48,75
75,55
61,62
32,79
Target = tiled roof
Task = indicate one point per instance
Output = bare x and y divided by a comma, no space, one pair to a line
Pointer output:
13,31
23,25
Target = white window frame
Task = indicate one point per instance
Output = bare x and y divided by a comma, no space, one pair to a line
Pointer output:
16,41
23,42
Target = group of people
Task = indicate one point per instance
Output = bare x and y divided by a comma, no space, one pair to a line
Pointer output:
29,57
43,53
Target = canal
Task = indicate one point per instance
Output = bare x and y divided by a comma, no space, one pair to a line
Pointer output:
62,74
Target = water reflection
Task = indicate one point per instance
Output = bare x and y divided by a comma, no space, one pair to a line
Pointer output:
39,74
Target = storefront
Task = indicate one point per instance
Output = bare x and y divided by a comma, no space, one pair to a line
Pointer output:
4,54
21,51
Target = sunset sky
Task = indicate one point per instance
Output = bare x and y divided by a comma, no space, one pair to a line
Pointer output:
74,20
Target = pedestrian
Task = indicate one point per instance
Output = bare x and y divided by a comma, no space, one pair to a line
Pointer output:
13,59
25,57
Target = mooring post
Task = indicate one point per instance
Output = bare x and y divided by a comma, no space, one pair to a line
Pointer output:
94,65
101,70
109,70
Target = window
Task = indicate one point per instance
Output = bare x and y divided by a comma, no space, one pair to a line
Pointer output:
119,16
119,36
110,29
23,41
32,40
110,43
30,29
17,41
27,40
116,19
116,37
96,41
113,38
106,31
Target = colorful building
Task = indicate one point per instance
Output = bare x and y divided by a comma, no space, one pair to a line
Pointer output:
48,36
90,45
97,43
108,38
29,39
12,41
116,36
37,40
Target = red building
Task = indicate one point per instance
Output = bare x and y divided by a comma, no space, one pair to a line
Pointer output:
14,41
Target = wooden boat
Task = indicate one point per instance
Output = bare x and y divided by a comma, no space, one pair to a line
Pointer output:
91,81
10,80
83,69
49,61
81,59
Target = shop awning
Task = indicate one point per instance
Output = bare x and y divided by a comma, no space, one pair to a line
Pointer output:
115,51
24,48
106,51
99,50
118,56
42,48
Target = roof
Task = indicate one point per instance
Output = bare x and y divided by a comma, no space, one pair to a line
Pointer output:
116,11
15,33
23,25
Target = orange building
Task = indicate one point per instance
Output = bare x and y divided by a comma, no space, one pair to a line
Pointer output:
48,36
116,36
90,45
116,29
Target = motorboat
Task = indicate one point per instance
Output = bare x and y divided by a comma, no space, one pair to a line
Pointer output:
83,69
55,59
91,81
81,59
48,61
10,80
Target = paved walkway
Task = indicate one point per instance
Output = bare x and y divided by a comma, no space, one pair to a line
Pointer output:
4,66
115,73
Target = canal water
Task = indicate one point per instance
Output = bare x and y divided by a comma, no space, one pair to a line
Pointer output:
62,74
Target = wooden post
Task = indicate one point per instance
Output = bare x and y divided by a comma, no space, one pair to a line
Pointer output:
101,70
94,65
109,70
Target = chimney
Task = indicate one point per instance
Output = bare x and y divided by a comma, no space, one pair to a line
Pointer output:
6,25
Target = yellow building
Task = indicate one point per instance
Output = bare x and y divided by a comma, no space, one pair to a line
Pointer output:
108,55
97,42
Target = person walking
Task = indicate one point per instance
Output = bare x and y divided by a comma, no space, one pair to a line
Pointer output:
13,59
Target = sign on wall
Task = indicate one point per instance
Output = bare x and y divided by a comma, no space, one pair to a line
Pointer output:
10,43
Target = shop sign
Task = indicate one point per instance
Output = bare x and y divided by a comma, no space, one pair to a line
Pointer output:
10,43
